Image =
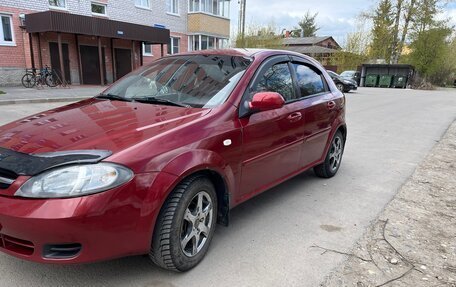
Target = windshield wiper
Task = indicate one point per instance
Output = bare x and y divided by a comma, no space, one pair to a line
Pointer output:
112,97
155,100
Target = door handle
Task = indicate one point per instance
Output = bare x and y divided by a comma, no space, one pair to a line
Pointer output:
294,117
331,105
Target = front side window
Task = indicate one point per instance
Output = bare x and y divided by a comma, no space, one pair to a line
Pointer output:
173,46
142,3
172,6
276,79
98,9
6,30
199,81
310,82
57,3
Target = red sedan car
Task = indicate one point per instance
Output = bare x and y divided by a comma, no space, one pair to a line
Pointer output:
154,162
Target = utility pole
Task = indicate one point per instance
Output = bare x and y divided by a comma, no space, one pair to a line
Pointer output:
241,27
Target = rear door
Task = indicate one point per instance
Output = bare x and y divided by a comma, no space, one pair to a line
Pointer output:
318,107
272,140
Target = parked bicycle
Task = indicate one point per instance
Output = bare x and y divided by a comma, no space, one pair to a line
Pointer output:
45,76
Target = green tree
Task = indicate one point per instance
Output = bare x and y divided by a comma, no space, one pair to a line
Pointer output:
432,53
354,52
307,27
257,36
424,17
429,52
409,9
382,31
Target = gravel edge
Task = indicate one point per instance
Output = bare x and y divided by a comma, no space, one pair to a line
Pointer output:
413,241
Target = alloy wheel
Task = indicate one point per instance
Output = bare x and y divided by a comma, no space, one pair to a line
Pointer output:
197,223
340,87
335,154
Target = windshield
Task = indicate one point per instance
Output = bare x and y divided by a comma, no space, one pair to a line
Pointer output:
332,74
200,81
348,74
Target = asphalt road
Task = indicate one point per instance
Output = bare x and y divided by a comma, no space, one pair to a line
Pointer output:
269,240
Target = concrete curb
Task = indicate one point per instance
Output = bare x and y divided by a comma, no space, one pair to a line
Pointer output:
41,100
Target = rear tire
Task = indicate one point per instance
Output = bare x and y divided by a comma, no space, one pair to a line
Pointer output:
333,158
185,225
51,80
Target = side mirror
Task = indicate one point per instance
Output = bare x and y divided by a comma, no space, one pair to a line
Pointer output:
266,101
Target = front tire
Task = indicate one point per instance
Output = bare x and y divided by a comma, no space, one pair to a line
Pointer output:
28,80
185,225
333,158
340,87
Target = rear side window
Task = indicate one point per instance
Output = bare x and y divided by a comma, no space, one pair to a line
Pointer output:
276,79
310,82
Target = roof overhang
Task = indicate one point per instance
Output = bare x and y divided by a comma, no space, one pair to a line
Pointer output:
398,66
52,21
311,49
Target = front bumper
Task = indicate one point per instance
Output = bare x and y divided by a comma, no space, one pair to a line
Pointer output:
97,227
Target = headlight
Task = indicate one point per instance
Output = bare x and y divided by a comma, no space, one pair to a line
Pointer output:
74,181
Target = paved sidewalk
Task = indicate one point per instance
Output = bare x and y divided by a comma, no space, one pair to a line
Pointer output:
21,95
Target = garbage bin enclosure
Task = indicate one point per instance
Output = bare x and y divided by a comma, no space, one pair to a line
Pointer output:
384,75
371,81
385,81
400,81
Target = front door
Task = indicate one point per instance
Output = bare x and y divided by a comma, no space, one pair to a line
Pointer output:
91,65
55,60
123,62
272,140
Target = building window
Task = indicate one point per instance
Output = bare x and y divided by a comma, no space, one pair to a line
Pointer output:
204,42
147,50
142,3
214,7
172,6
6,31
99,9
58,3
173,46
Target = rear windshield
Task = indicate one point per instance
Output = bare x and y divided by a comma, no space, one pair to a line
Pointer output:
201,81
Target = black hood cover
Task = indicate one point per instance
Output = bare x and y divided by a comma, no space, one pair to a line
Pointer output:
33,164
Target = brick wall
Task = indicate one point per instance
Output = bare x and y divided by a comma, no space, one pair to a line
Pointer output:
156,49
14,59
120,10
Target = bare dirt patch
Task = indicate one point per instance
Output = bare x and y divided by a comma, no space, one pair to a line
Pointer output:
413,242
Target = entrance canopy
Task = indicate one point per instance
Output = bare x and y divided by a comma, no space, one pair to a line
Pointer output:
52,21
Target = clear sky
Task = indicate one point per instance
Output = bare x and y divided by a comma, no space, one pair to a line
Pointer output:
335,17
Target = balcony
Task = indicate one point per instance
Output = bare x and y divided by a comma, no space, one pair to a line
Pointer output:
204,23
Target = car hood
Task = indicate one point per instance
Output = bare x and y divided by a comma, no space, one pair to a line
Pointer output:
349,79
94,124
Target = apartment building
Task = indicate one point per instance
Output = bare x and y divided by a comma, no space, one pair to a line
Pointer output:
97,42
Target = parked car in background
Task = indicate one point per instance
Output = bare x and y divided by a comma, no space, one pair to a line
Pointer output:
344,85
352,75
150,165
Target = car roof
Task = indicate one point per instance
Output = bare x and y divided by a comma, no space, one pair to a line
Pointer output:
242,52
